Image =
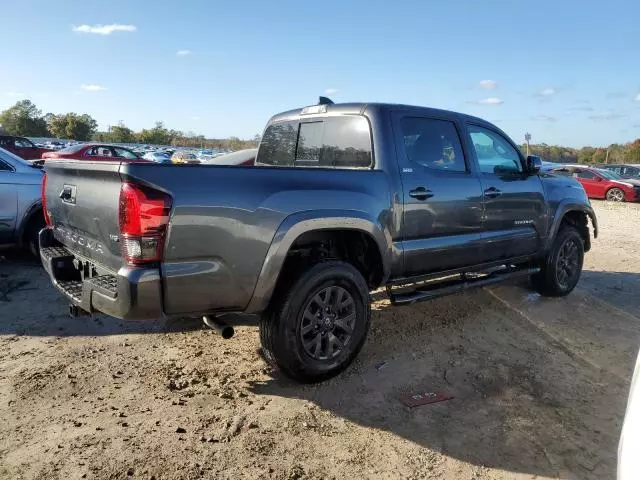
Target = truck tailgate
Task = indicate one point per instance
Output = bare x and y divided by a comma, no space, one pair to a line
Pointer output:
82,200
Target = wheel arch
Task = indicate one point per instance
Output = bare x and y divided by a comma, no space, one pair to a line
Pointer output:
317,224
30,214
577,215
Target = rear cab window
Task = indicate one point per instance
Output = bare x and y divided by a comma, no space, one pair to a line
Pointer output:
326,142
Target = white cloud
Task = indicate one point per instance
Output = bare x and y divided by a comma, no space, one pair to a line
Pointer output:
331,91
196,118
104,29
638,98
581,108
488,84
544,118
548,92
490,101
607,117
184,53
16,94
92,88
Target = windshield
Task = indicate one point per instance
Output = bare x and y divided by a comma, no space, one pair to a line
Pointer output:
609,174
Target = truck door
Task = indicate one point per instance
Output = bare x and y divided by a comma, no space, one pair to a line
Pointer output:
514,202
442,218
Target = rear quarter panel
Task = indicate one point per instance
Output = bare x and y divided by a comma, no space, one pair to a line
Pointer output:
224,220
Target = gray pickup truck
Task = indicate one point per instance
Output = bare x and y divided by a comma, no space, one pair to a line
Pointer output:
343,199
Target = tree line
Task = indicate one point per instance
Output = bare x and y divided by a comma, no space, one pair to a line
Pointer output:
24,119
614,153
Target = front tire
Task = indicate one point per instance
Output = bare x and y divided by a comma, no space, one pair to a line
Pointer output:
314,329
615,195
561,269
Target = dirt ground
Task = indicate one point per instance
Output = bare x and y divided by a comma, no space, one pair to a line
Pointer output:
540,386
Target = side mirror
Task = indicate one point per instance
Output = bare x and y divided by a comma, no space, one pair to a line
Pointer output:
598,179
534,164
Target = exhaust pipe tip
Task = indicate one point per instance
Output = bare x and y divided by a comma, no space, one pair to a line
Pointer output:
225,330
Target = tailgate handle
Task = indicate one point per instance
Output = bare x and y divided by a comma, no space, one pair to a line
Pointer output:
68,194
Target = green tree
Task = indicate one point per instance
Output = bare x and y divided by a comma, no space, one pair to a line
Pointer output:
158,135
24,119
585,154
121,134
599,155
71,125
632,154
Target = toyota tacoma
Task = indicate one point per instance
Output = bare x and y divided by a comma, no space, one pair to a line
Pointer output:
343,199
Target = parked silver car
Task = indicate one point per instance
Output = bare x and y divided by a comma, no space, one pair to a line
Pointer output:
21,216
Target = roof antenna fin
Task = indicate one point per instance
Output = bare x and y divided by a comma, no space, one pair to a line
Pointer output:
325,101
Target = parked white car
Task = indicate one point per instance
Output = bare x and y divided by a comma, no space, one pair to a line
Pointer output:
629,447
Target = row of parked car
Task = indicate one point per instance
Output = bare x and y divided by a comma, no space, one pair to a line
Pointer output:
616,183
27,150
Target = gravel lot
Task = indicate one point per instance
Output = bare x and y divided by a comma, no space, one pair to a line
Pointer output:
540,386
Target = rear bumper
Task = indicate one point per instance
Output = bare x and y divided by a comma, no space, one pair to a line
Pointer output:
130,294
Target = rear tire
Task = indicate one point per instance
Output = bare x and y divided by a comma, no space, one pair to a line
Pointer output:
314,329
561,269
615,195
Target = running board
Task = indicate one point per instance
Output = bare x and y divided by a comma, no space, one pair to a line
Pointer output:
463,282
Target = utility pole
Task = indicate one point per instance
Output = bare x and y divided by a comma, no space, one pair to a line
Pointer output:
527,137
606,159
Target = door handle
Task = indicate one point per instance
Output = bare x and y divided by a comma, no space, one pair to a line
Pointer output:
492,192
65,194
421,193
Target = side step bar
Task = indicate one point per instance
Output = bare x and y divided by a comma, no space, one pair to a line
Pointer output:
437,289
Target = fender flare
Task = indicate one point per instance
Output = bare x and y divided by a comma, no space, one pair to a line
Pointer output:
565,206
26,219
297,224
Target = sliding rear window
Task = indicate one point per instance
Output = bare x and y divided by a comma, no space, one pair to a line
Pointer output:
329,142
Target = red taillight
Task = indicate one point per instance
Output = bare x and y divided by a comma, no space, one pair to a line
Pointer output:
43,192
143,217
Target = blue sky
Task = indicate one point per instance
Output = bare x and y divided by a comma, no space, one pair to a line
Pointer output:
567,71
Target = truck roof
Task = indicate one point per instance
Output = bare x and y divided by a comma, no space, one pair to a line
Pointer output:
361,107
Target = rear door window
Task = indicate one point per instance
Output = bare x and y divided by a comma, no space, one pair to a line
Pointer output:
433,143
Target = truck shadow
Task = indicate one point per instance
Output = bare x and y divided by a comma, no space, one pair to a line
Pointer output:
30,305
524,400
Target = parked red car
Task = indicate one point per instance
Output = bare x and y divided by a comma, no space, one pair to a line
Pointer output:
22,147
603,183
92,151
